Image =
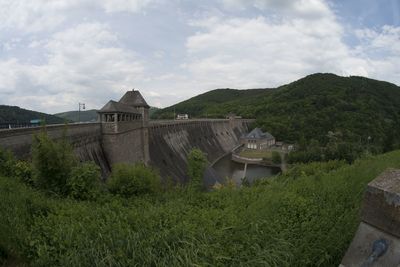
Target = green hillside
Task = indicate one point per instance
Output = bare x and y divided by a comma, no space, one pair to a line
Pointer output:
85,116
205,105
343,115
17,115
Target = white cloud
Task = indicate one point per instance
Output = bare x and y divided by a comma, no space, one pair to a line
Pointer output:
39,15
381,48
311,9
83,63
268,51
259,52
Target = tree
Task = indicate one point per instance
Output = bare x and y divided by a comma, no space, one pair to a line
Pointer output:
7,162
276,157
133,180
84,182
52,163
197,163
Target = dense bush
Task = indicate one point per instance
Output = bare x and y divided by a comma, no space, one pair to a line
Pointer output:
197,163
7,162
23,171
133,180
276,157
52,163
293,221
84,181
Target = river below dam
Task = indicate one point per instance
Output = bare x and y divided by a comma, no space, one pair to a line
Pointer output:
225,167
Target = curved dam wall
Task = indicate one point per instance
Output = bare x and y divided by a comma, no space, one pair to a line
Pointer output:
86,139
171,142
162,144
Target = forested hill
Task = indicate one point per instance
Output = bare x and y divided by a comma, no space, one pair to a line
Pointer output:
318,110
205,104
84,116
16,115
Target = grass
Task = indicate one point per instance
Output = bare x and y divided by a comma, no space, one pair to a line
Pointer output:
292,220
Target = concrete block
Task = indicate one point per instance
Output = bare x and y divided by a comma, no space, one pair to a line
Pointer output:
381,205
361,247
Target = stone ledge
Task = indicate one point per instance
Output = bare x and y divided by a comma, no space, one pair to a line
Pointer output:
361,248
381,205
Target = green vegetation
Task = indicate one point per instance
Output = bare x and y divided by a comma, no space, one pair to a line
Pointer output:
206,105
197,163
276,157
52,163
133,180
327,116
13,114
85,115
84,182
292,220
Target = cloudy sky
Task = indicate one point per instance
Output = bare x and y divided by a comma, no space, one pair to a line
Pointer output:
57,53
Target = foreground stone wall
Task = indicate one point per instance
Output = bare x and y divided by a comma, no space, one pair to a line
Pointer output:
171,142
380,224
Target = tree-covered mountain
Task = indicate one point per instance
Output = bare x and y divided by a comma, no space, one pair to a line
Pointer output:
205,105
17,115
343,115
84,116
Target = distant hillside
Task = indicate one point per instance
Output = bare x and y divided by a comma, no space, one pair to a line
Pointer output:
350,114
205,105
87,115
17,115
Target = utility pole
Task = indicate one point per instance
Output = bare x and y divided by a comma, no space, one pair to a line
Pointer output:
81,105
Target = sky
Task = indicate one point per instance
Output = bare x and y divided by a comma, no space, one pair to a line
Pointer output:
55,54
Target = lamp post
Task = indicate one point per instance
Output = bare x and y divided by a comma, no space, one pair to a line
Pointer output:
81,105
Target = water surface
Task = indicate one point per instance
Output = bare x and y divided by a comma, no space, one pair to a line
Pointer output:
225,167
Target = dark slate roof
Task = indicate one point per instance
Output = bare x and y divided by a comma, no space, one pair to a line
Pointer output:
134,98
113,106
258,134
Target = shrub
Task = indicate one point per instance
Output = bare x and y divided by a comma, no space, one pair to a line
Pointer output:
276,157
133,180
52,163
7,162
84,182
23,171
196,166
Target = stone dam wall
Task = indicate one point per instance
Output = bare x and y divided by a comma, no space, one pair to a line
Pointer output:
161,144
171,142
86,139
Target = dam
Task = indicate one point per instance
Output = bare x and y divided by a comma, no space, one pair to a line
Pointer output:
125,134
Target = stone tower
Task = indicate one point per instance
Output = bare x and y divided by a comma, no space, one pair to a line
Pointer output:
124,127
135,99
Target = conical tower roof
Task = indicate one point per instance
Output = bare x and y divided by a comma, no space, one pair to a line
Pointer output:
134,99
113,106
